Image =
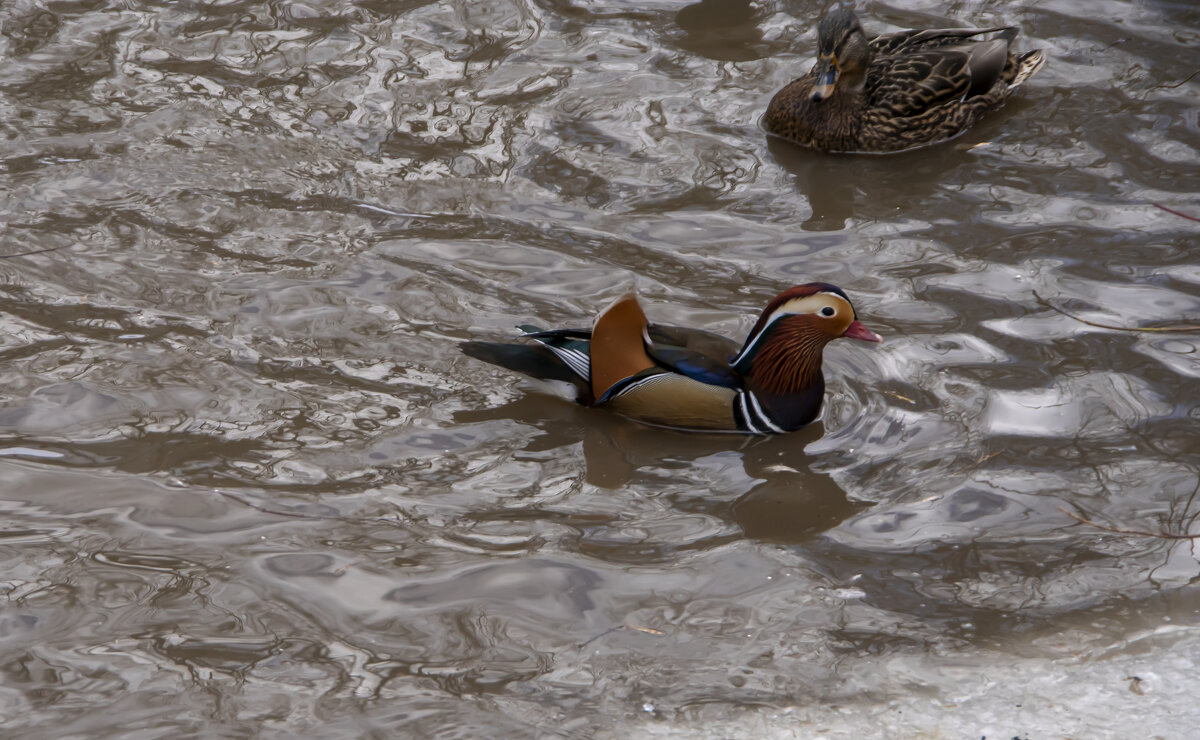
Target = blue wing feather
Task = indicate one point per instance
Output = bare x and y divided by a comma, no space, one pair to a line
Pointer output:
696,366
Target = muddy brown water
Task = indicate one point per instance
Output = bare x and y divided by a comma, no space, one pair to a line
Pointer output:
250,486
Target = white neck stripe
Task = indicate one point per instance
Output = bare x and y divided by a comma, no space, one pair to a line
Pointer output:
762,415
778,314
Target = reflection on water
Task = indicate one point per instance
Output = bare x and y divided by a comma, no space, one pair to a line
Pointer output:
246,466
842,188
787,501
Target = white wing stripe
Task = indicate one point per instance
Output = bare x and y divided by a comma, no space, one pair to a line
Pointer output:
637,384
762,415
745,413
578,361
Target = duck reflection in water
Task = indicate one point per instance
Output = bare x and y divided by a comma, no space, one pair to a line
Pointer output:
789,503
840,187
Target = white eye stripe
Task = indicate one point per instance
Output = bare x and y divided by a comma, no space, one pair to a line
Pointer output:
783,310
795,307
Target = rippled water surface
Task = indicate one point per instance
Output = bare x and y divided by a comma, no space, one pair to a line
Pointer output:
251,486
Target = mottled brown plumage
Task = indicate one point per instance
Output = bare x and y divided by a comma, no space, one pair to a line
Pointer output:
897,91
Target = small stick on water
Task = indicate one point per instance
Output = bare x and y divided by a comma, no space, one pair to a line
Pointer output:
593,638
273,512
1184,328
1181,82
625,625
31,252
972,465
1175,212
1121,530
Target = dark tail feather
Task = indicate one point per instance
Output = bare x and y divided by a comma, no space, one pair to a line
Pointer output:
533,332
986,62
533,360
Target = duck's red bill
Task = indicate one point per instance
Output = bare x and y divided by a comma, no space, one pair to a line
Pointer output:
858,330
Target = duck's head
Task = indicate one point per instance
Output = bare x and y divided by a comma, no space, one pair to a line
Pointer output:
843,54
782,354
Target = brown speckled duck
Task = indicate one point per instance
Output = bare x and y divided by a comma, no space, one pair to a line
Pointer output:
897,91
690,378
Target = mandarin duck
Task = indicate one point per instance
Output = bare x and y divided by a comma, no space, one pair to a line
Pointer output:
897,91
691,378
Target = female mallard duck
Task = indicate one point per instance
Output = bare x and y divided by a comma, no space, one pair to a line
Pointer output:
690,378
897,91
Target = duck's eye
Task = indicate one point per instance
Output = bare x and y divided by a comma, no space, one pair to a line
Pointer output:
828,312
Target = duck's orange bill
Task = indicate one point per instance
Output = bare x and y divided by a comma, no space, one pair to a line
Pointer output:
826,73
858,330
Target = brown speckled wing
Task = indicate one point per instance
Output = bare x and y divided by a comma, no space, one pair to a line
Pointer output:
932,38
907,86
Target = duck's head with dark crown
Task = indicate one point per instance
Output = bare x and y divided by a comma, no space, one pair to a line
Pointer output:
782,354
843,54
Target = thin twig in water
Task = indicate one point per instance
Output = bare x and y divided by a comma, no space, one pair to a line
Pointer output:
1184,328
972,465
1121,530
31,252
647,630
1181,83
275,512
593,638
302,515
1174,212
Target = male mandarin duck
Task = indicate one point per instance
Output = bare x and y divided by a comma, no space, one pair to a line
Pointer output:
691,378
899,90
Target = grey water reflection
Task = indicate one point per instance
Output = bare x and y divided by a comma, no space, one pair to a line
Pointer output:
840,188
787,502
246,467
